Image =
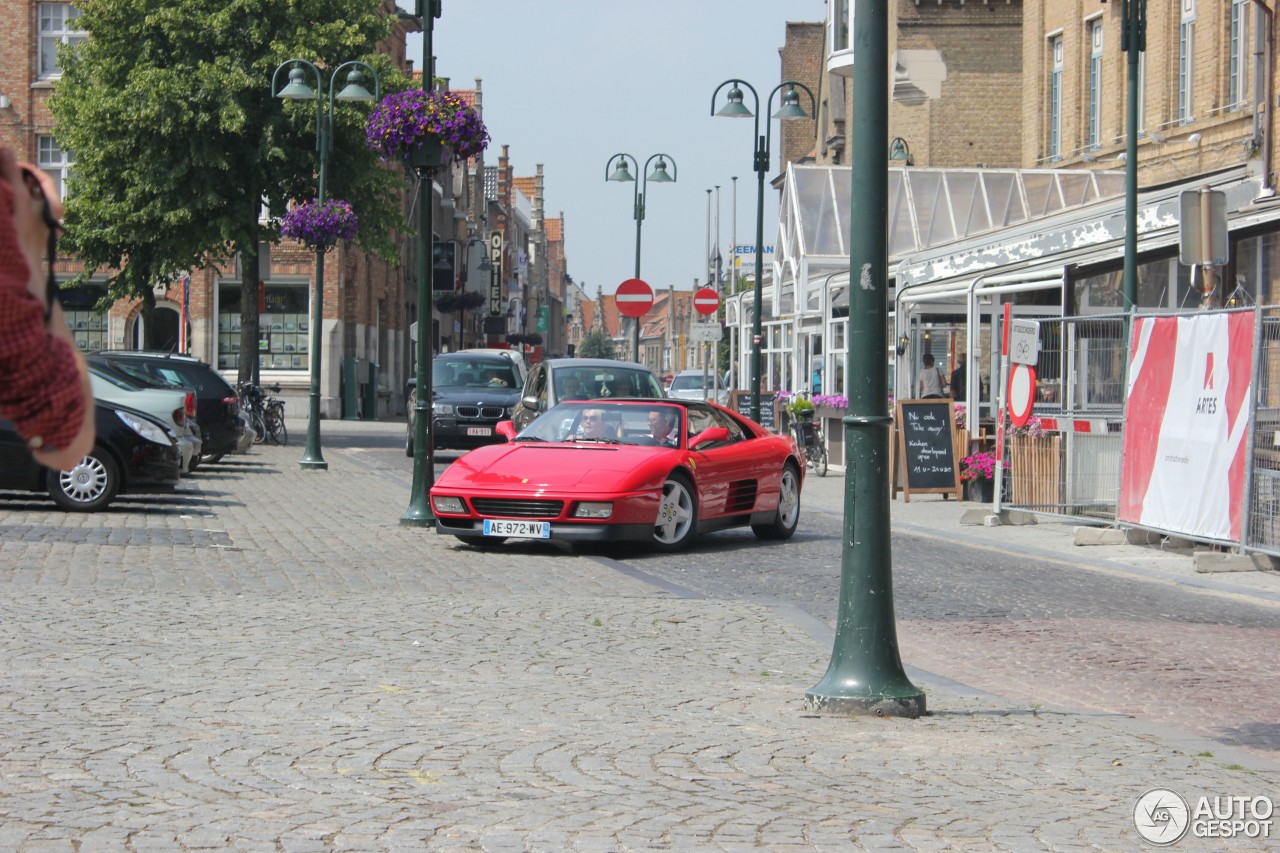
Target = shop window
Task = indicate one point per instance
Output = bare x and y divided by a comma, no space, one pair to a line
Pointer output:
284,328
88,327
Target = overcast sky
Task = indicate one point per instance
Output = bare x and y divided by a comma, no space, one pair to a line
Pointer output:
569,83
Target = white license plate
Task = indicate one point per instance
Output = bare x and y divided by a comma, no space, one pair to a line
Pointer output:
479,431
517,529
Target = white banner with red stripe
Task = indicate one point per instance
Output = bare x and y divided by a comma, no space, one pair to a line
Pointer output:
1186,424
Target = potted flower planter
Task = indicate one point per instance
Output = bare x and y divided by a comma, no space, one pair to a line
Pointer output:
980,491
432,154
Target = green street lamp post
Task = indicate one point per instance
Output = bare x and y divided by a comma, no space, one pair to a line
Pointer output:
297,89
1133,41
865,675
735,108
424,467
658,176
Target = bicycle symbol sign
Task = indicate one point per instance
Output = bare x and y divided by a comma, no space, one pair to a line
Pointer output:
1024,341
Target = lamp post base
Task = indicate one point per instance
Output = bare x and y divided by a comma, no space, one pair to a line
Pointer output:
414,518
313,464
880,706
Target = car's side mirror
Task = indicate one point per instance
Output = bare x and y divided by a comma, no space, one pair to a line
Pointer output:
530,403
707,436
506,429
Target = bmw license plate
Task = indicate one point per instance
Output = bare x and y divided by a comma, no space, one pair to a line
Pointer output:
479,431
517,529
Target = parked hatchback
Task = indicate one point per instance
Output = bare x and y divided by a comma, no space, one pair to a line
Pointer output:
132,452
174,407
558,379
217,406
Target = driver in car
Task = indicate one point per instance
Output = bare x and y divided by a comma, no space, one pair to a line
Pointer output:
662,427
592,424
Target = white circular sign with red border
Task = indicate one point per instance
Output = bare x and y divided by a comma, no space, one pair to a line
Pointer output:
1022,393
634,298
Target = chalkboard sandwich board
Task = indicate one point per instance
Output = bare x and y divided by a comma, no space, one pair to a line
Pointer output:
925,448
742,405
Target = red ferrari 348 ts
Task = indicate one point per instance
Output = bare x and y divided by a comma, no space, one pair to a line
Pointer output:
656,471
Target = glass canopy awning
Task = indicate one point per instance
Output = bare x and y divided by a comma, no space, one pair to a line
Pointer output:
927,208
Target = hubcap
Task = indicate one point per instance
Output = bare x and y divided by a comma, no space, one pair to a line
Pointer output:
788,498
675,514
85,482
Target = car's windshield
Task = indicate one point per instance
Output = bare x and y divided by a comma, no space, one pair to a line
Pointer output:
473,373
592,383
598,421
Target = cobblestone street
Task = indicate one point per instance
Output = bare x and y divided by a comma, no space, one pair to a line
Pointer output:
272,662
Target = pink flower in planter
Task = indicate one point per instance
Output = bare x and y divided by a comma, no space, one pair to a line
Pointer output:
978,466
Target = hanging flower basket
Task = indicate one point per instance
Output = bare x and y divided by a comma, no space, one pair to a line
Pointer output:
320,226
425,128
464,300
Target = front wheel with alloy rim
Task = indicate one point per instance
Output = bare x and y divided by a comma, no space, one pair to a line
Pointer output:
677,515
89,486
788,515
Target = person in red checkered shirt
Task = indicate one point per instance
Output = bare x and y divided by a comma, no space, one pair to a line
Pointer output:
44,381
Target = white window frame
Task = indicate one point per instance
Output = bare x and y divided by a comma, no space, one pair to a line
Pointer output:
1238,56
1055,97
56,27
55,161
1095,82
1186,61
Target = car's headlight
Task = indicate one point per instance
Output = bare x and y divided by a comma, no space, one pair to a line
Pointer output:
442,408
593,509
150,431
447,504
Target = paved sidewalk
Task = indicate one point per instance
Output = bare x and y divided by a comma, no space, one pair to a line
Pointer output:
278,665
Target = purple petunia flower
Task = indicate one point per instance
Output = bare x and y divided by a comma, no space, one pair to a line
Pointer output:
320,226
404,120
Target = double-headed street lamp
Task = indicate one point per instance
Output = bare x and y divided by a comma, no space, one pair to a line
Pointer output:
735,108
658,176
297,89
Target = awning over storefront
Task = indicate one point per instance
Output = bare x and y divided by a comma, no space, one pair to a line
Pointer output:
927,208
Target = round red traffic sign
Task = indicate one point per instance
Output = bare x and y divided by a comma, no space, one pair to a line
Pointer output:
1022,387
634,298
706,301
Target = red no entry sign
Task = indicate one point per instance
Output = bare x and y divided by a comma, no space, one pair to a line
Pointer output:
634,298
1022,393
706,301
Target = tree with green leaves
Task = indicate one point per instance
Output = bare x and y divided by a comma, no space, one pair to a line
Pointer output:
181,150
596,344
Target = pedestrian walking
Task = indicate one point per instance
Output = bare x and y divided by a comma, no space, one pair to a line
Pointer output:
932,382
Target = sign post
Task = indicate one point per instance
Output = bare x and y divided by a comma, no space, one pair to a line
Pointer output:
707,302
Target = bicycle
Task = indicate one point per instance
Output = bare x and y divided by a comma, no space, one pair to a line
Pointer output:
808,435
266,414
273,419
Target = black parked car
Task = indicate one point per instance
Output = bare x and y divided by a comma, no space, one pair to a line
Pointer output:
217,406
471,392
133,452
